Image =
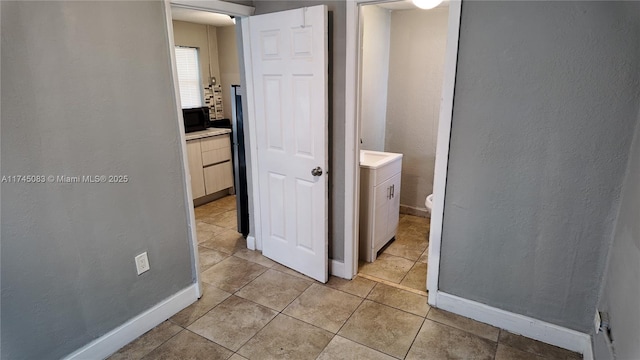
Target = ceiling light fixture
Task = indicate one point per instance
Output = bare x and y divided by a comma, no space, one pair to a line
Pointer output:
426,4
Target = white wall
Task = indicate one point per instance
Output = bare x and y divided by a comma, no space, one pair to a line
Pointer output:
229,64
195,35
416,70
375,72
621,295
221,48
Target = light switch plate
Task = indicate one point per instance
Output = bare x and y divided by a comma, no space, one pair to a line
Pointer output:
142,263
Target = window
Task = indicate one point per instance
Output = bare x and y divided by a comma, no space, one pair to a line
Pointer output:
189,77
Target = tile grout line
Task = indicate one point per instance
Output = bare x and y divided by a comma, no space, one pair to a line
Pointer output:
349,317
211,341
415,337
407,274
497,343
254,335
362,300
355,341
265,325
392,284
367,346
333,334
304,321
527,351
278,311
295,298
207,312
315,326
162,343
393,307
325,347
465,331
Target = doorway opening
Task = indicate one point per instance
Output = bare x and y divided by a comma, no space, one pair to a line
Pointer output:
204,47
401,82
403,69
289,105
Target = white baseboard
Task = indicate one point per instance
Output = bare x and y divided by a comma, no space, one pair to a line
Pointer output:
415,211
251,242
588,352
337,268
112,341
518,324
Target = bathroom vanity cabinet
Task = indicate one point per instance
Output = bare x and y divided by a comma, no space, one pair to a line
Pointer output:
379,201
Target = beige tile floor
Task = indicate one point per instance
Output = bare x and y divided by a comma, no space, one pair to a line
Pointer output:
404,260
253,308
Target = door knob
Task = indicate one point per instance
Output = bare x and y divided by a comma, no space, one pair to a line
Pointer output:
317,171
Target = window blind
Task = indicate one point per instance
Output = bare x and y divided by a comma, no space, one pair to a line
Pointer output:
189,77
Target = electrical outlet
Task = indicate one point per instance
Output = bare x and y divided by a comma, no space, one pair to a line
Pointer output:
142,263
597,321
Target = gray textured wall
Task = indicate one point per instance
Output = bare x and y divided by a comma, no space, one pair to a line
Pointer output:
86,89
545,104
336,124
621,296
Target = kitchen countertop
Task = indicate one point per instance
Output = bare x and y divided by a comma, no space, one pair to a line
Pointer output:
206,133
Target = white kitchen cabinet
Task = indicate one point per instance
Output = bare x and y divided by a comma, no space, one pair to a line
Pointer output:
194,154
215,149
379,203
210,164
218,177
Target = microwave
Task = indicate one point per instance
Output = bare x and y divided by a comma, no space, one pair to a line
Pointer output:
195,119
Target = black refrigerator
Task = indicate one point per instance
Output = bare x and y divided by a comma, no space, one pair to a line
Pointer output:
239,161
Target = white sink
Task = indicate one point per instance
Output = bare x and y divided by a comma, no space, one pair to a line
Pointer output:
376,159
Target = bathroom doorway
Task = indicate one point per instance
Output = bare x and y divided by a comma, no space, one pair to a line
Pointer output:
403,96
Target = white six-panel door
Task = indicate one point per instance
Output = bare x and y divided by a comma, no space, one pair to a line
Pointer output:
289,63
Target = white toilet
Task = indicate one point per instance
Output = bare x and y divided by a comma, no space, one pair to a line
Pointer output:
429,203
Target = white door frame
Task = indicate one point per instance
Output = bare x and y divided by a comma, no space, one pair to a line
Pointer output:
254,240
211,6
217,6
352,136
